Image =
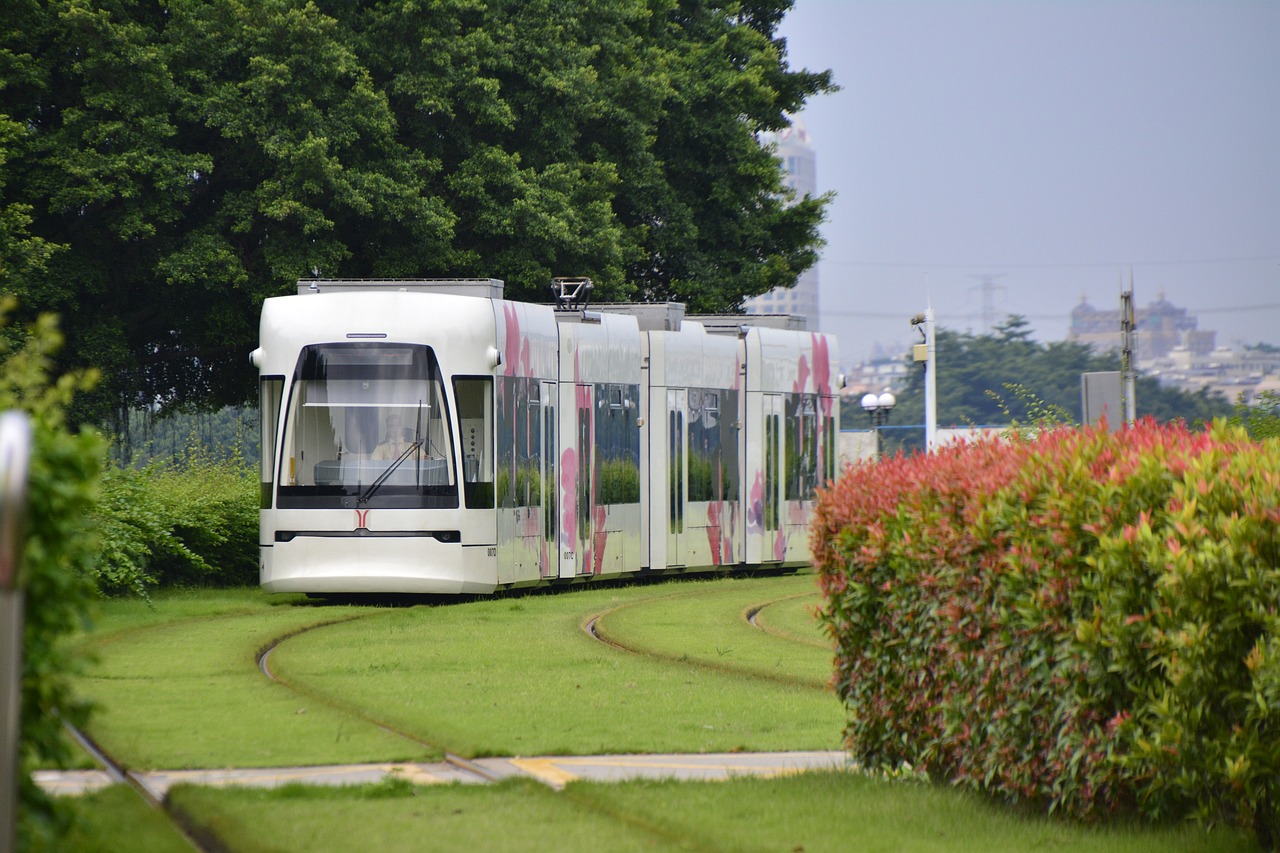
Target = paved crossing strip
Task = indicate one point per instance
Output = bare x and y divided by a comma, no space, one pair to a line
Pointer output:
555,771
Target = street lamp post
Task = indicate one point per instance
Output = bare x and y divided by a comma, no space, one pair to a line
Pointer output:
878,407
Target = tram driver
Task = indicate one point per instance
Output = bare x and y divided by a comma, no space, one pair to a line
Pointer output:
396,441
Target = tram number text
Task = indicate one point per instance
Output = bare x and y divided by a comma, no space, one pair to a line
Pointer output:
493,552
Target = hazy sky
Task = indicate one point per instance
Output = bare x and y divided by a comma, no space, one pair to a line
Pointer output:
1050,147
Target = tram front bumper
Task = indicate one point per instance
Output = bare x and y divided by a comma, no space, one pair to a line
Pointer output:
379,564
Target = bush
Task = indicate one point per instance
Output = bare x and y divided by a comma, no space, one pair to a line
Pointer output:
1085,621
60,550
192,521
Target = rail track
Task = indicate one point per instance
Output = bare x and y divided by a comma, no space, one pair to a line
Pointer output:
202,839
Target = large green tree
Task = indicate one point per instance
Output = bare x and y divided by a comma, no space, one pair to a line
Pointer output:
192,157
978,378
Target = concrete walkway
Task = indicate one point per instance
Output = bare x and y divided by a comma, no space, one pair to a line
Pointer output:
555,771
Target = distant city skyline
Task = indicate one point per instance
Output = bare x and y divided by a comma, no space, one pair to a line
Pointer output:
996,158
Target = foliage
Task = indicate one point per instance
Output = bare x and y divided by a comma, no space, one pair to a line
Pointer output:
1040,416
1262,419
60,550
215,151
193,520
169,436
973,368
1086,621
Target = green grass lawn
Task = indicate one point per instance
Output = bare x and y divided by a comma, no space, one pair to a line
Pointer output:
816,812
522,677
178,686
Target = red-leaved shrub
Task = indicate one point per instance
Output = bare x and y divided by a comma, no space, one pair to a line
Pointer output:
1084,620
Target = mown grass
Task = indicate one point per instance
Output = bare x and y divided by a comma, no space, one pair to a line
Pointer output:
518,814
522,677
116,818
825,811
705,623
176,686
796,619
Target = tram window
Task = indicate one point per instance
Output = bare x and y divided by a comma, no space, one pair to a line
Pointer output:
770,472
828,442
367,421
505,451
270,394
728,459
617,444
549,490
801,447
704,445
791,449
519,442
474,395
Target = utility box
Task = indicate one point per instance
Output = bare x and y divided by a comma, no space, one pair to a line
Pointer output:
1100,394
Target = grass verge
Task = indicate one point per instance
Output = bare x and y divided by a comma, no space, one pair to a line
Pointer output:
814,812
116,818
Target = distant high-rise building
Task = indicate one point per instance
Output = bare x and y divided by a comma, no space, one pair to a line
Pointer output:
800,163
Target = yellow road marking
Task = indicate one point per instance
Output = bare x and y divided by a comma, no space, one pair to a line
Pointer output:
416,775
545,769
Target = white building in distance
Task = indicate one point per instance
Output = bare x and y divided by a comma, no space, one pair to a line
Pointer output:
800,163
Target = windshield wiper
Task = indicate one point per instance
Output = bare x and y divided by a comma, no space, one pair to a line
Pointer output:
376,484
414,445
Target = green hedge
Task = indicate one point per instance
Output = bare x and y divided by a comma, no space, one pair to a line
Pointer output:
190,522
60,551
1084,621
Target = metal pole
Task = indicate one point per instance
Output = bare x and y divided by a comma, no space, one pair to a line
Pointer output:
15,453
930,384
1128,354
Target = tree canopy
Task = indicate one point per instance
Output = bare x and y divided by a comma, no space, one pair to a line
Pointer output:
165,166
975,373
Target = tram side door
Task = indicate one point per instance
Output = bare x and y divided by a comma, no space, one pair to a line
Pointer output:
677,468
586,454
774,429
549,553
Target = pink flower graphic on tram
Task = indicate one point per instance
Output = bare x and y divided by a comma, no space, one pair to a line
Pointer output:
569,498
511,346
715,511
755,506
544,559
599,539
821,365
720,530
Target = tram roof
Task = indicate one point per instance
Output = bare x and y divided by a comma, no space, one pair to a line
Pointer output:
485,288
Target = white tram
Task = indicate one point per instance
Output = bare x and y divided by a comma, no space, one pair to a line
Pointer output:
433,437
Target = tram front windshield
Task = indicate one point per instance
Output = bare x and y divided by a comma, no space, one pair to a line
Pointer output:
367,424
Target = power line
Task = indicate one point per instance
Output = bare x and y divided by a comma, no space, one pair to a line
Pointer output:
1072,265
902,315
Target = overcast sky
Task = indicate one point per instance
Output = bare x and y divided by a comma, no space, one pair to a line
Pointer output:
1050,148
